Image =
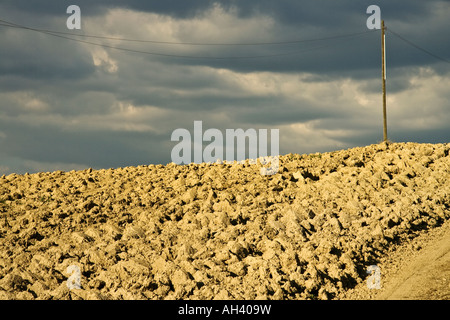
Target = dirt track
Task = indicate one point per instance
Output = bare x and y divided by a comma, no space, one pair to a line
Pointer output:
426,276
226,232
417,270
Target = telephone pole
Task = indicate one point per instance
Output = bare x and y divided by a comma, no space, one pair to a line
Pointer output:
383,59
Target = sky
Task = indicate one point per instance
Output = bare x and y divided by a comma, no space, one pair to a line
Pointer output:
311,69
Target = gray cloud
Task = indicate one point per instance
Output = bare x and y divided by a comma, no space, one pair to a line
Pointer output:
66,104
292,19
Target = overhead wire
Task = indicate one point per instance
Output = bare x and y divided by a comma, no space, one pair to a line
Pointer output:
68,36
417,46
10,24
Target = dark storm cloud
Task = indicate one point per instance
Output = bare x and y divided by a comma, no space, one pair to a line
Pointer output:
176,8
320,12
294,19
101,149
68,104
329,13
23,57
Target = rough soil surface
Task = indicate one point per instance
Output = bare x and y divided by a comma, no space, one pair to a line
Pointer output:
223,231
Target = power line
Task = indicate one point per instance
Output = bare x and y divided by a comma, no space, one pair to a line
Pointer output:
417,47
63,35
187,56
177,55
14,25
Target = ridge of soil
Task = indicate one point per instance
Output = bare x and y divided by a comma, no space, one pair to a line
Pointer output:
224,231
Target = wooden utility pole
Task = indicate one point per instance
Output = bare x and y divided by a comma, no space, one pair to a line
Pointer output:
383,59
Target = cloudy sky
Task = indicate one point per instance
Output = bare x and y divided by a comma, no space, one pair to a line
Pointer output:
106,103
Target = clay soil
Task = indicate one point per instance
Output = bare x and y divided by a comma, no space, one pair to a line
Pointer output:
224,231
